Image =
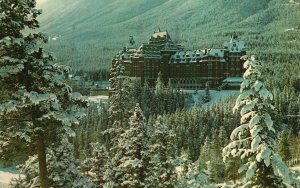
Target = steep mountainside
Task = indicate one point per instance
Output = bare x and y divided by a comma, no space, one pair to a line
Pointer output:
89,33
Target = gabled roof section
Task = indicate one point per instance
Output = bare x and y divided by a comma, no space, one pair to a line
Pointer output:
160,37
235,45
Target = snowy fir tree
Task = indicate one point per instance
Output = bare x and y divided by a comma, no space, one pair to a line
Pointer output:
36,100
160,97
204,156
119,92
118,103
216,167
97,164
283,145
159,85
128,167
206,97
254,139
146,99
30,171
189,174
63,167
161,167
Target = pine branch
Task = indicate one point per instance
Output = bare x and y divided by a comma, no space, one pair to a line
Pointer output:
15,119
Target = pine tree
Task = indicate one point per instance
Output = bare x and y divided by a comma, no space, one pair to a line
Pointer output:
254,139
63,167
118,94
189,174
97,164
206,97
34,89
232,166
118,102
30,171
133,142
161,171
159,86
204,154
146,99
216,165
127,168
283,145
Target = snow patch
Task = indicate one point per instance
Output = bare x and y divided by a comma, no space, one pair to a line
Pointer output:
98,98
214,94
6,175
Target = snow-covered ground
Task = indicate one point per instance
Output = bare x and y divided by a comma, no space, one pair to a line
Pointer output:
215,96
6,174
98,98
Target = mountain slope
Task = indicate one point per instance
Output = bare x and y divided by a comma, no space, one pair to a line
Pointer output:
92,31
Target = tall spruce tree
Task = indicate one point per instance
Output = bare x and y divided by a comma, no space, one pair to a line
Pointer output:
189,174
118,121
254,139
119,94
97,164
118,103
216,165
133,142
63,167
161,170
283,145
35,101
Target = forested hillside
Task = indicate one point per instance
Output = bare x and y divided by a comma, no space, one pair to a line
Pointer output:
87,28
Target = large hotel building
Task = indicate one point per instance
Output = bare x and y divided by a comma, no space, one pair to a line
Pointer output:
182,68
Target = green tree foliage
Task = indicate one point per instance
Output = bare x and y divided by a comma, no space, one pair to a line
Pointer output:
34,89
210,158
189,174
95,165
134,141
91,129
118,101
162,163
63,167
254,139
283,145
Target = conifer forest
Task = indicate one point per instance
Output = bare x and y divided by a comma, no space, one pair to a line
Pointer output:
72,115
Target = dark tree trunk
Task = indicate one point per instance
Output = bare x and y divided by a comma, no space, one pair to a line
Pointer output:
41,150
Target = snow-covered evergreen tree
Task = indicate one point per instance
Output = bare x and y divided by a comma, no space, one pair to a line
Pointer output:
283,145
97,164
161,170
34,89
189,174
204,154
119,94
129,165
159,85
30,172
254,139
62,169
146,99
216,166
206,97
118,105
